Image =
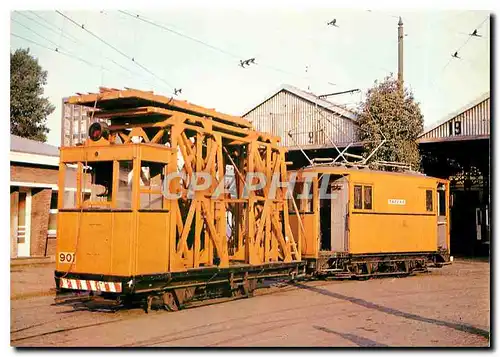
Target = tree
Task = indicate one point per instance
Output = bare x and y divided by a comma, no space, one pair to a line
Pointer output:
28,109
391,110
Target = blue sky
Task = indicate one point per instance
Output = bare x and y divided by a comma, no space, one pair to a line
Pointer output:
285,42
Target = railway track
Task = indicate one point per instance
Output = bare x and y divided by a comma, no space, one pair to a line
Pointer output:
121,314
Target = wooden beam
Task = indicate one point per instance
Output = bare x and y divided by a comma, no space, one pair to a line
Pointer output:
89,99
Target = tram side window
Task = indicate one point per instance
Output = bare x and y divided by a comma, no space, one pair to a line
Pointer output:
367,204
358,199
151,184
295,193
442,202
428,200
124,194
70,186
69,195
302,195
307,203
99,192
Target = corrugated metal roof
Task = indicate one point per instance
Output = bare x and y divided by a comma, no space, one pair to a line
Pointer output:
325,104
456,113
301,123
19,144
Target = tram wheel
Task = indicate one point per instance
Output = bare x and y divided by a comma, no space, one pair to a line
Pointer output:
169,301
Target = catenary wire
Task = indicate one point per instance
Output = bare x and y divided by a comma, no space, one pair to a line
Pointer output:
218,49
82,26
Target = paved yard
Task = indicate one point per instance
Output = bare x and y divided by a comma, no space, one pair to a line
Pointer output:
448,307
31,280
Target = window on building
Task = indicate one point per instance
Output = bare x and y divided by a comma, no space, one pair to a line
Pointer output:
367,195
151,184
428,200
358,199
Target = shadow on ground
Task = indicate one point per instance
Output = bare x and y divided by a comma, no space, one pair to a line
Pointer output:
369,305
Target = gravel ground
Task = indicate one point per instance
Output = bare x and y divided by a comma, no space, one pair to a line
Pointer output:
447,307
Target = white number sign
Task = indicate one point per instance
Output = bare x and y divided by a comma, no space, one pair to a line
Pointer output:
66,257
395,201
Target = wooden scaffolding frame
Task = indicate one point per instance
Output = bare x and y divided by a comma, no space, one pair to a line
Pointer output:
201,140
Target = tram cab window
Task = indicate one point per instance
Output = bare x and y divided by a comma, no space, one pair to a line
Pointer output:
99,192
358,193
125,175
70,186
363,197
303,197
69,194
151,184
428,200
367,195
442,201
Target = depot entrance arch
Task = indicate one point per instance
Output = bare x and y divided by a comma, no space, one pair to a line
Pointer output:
458,148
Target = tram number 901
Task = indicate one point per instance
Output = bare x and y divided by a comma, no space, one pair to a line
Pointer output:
65,257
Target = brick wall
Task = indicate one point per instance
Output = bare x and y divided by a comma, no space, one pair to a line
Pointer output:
51,247
14,201
28,173
40,205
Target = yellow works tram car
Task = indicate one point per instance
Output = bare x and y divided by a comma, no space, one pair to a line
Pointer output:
361,222
121,236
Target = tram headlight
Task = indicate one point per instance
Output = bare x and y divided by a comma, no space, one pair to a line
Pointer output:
98,130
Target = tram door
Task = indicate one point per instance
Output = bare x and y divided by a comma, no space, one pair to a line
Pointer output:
442,227
340,201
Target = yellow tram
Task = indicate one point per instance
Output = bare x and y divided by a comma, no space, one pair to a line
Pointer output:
362,222
152,215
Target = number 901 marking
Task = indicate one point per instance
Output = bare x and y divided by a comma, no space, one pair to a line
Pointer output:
65,257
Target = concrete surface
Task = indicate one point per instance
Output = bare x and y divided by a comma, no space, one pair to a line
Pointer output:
448,307
32,261
31,280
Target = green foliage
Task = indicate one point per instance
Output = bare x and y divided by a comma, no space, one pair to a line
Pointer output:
28,109
390,110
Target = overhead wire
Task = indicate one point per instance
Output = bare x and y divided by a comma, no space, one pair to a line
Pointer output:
36,33
67,35
458,50
55,50
450,30
69,54
21,13
218,49
82,26
62,52
79,42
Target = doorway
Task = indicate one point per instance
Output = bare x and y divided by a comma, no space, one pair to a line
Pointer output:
24,223
340,202
333,216
442,224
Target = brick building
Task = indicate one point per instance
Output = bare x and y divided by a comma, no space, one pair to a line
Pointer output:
34,170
